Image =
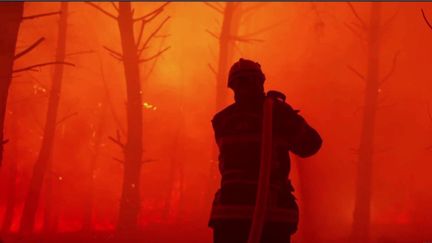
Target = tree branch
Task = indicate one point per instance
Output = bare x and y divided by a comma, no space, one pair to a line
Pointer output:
30,48
389,74
353,10
66,117
354,31
262,30
40,15
154,56
387,22
117,140
212,34
152,14
102,10
31,68
361,76
212,69
214,7
245,39
152,35
426,20
115,54
254,7
116,57
115,6
108,97
140,50
154,63
148,161
140,34
118,160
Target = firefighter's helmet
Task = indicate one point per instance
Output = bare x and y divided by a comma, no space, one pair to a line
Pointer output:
244,67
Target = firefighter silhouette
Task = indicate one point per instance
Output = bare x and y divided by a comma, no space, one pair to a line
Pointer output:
239,135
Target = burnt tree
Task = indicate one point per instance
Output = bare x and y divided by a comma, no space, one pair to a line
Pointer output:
10,20
428,106
40,167
176,169
95,144
131,55
371,33
228,40
11,168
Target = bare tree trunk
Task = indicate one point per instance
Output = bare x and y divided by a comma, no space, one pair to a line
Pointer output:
230,26
12,172
40,167
175,170
181,189
96,144
51,209
130,198
48,225
10,192
10,20
361,223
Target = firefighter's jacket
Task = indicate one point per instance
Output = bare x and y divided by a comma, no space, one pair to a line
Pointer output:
238,133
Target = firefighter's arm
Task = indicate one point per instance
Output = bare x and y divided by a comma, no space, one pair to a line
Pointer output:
303,139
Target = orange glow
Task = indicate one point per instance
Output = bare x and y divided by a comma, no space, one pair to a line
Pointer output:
306,51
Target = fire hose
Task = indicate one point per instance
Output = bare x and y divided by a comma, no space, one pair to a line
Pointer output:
263,188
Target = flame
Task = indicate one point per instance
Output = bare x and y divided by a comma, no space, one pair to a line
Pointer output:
149,106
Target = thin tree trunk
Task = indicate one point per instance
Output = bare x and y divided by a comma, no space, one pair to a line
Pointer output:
10,20
230,26
175,170
10,192
40,167
362,211
48,211
97,141
51,209
11,180
181,189
130,198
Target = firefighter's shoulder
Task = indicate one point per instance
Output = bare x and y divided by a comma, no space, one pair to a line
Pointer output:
224,113
285,108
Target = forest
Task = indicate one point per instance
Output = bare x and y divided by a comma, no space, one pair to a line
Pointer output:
106,109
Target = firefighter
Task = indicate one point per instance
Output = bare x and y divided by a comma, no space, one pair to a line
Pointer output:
237,131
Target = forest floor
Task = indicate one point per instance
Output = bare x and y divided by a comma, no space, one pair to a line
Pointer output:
150,234
181,233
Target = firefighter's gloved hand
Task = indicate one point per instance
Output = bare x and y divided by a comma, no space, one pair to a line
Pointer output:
276,95
281,97
294,120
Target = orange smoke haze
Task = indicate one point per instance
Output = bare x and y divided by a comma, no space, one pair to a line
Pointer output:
305,50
